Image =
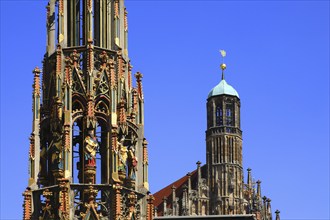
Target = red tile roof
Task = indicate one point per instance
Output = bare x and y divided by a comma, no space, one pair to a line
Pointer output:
167,191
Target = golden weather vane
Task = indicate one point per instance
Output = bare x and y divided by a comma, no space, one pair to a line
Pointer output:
223,65
223,53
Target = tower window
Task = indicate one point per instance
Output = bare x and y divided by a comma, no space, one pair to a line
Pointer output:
229,115
218,116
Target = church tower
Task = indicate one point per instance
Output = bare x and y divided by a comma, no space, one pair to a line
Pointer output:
224,149
217,190
88,156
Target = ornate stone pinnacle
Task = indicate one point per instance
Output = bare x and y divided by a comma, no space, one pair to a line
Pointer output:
145,142
104,57
75,56
138,76
36,71
68,61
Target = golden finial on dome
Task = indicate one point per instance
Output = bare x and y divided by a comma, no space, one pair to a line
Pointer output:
223,65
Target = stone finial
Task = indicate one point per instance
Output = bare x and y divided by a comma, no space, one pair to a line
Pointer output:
269,209
258,188
145,142
277,212
104,57
36,71
173,194
189,181
165,205
249,178
138,76
199,172
75,57
174,204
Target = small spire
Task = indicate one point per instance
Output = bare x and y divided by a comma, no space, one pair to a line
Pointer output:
259,189
269,209
223,65
249,178
199,172
36,71
164,205
277,212
189,181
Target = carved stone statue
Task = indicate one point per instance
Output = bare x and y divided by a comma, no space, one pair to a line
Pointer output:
132,163
90,148
122,165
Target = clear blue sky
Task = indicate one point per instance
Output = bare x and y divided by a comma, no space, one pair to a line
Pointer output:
277,60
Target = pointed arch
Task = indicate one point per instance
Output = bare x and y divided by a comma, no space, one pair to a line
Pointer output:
102,105
77,105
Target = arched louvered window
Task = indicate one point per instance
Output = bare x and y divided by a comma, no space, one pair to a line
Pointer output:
218,116
229,115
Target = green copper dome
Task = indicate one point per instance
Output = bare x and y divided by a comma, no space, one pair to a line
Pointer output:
223,88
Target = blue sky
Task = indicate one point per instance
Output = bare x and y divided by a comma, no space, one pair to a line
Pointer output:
277,60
